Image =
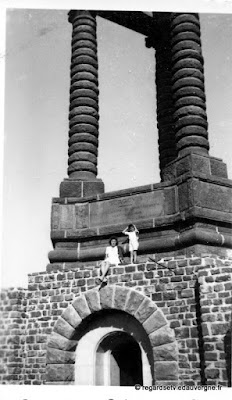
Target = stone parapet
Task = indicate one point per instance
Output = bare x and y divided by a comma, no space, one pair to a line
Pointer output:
193,208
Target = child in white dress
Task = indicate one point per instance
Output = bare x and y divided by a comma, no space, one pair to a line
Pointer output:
113,255
132,232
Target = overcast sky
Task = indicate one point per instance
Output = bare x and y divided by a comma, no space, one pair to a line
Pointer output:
38,49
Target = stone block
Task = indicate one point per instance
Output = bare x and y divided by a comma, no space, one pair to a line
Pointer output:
55,216
145,309
166,352
162,336
219,328
81,306
169,295
82,215
120,297
60,372
56,356
154,322
184,196
187,293
182,333
218,168
63,328
93,300
107,297
223,278
71,316
213,196
60,342
200,164
205,329
212,373
113,211
66,216
166,370
133,302
70,188
170,201
91,188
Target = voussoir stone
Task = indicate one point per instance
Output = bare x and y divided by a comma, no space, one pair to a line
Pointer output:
146,308
154,322
60,342
81,306
166,352
120,297
71,316
56,356
107,297
60,372
133,302
64,328
93,300
166,370
162,336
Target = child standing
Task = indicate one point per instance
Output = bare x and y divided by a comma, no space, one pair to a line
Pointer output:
132,232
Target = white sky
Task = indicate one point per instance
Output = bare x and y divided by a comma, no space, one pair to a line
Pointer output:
38,49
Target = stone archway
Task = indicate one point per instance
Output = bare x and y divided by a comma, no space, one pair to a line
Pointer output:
62,344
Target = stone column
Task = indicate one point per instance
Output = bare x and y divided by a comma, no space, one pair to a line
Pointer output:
188,89
83,115
165,109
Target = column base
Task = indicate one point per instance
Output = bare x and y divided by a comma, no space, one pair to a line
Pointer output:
194,162
78,188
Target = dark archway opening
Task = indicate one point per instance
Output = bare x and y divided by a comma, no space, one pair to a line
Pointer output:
118,361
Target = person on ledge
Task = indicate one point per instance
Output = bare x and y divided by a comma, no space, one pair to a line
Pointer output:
132,232
113,255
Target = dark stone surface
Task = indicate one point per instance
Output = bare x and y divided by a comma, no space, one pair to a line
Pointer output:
60,372
166,352
218,168
128,208
81,306
166,370
64,328
154,322
60,342
78,188
55,356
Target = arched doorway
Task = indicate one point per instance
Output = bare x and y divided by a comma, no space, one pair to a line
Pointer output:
74,344
109,354
118,361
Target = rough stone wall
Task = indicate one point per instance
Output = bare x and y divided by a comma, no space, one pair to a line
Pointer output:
13,328
194,297
215,286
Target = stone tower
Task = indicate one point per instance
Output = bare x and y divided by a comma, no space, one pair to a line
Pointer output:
165,323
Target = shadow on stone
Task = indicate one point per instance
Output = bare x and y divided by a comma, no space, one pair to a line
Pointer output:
227,349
